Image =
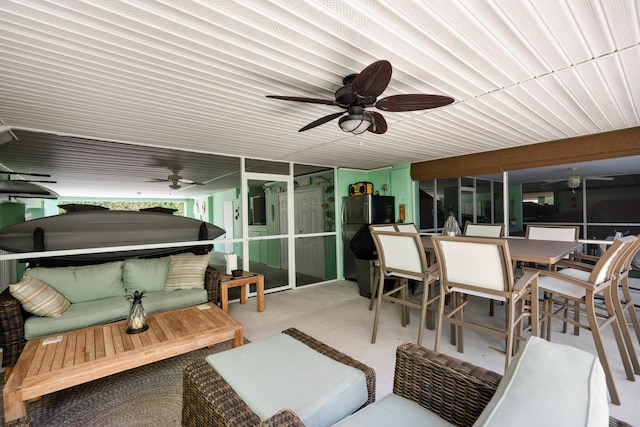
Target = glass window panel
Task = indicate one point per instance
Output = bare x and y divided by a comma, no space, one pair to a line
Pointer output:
556,203
267,208
430,212
315,259
448,195
608,201
484,200
269,258
264,166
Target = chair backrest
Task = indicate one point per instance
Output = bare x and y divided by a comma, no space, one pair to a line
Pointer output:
559,233
623,263
609,261
483,230
400,249
475,263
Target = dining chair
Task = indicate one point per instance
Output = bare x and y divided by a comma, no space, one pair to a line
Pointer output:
481,267
401,256
483,230
406,227
622,299
562,233
577,289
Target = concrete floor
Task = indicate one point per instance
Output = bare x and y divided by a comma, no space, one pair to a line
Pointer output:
336,314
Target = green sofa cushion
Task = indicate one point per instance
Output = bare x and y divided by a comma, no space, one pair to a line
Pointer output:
155,302
77,316
91,313
146,274
280,372
83,284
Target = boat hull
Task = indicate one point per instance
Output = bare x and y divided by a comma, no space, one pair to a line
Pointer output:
99,229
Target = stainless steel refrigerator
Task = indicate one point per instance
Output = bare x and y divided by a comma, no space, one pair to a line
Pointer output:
358,211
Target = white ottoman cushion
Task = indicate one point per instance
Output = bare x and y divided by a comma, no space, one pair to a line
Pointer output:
393,411
280,372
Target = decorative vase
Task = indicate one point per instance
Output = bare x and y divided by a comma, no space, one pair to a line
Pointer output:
137,319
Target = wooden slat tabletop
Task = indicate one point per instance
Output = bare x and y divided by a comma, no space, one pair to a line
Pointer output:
87,354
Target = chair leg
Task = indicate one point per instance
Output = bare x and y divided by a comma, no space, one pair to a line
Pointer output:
378,307
404,310
624,329
630,307
423,312
511,314
376,293
597,339
615,324
440,322
460,317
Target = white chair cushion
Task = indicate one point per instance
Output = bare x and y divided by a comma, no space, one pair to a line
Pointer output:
280,372
393,411
549,384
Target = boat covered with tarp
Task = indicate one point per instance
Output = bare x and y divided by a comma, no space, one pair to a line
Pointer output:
106,229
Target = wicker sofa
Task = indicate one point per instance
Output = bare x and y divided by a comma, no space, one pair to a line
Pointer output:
13,315
209,401
458,392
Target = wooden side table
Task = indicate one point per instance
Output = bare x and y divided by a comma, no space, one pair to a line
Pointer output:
247,278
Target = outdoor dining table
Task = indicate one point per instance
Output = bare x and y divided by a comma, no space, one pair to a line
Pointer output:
526,250
521,250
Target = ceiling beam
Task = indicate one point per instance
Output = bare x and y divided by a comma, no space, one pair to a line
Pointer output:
607,145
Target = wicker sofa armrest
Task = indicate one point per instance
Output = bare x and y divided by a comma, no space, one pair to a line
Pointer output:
212,284
12,318
454,390
209,400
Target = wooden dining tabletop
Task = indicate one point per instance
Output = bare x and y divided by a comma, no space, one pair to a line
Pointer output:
527,250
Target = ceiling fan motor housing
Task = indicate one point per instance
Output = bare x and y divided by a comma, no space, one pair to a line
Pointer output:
573,181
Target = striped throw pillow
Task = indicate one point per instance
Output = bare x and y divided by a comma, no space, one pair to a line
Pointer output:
186,272
39,298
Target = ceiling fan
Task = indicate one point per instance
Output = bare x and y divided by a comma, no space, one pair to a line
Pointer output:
175,180
360,91
574,180
26,188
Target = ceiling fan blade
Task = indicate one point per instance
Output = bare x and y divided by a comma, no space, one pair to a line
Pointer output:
158,180
302,99
189,182
373,80
322,121
379,125
595,178
412,102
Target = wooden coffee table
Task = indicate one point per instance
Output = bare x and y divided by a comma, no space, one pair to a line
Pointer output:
87,354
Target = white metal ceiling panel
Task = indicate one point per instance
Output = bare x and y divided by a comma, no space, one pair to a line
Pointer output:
193,75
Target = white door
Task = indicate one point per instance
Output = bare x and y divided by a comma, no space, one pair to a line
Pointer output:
308,219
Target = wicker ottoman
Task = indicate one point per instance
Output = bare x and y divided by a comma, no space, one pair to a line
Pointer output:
209,400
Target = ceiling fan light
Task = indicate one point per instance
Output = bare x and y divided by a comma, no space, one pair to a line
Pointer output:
356,123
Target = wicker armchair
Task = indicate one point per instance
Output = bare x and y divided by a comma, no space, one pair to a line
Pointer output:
209,400
454,390
12,317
